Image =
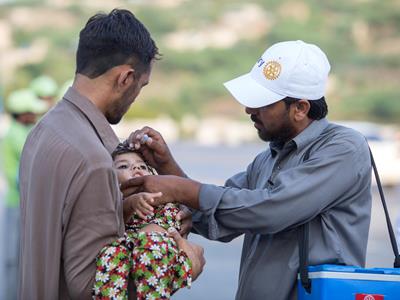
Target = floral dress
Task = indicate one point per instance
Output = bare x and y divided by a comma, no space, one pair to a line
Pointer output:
151,259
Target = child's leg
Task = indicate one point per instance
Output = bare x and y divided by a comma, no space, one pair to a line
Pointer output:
112,271
159,269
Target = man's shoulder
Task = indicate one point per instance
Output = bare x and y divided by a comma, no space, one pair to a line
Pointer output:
346,135
66,122
66,132
344,142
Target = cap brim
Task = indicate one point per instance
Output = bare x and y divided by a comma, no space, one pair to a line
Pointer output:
38,107
251,94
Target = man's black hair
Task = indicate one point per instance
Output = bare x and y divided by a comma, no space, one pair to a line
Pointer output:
113,39
318,108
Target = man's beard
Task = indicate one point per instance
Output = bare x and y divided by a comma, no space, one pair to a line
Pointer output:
115,116
120,107
285,132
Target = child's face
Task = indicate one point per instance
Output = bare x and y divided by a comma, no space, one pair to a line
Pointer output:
130,165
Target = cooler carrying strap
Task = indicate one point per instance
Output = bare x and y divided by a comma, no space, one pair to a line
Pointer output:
304,233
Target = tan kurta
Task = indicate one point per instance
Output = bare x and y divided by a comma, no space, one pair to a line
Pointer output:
70,201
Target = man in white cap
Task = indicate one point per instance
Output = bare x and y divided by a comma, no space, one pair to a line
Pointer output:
45,88
313,172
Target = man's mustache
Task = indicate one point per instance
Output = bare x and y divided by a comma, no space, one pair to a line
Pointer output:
254,119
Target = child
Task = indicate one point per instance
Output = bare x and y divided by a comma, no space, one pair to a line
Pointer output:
145,253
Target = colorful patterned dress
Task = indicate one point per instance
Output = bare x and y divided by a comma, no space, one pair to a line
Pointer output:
151,259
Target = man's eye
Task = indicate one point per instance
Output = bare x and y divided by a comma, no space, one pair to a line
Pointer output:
121,167
143,167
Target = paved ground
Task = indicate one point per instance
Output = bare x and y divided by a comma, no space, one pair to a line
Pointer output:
380,252
219,278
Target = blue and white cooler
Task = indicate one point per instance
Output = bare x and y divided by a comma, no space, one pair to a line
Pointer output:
351,283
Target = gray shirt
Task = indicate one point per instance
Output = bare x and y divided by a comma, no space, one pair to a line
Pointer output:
280,191
71,205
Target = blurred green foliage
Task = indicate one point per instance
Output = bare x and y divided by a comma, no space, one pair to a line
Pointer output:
361,39
374,104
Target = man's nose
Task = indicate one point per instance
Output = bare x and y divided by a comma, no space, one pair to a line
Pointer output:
250,111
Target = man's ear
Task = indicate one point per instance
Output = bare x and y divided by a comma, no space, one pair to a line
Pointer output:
125,77
301,109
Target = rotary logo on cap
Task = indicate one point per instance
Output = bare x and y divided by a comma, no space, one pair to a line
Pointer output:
272,70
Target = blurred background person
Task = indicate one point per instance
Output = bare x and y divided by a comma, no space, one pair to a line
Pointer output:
45,88
24,108
63,89
1,101
2,192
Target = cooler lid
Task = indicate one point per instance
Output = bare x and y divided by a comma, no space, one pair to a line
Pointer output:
354,269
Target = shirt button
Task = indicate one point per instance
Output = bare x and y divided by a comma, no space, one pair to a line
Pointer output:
279,167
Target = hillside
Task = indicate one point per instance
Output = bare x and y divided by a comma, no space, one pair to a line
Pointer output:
205,43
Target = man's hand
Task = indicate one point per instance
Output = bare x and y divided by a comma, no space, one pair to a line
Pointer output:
155,151
185,216
150,184
139,204
193,251
173,188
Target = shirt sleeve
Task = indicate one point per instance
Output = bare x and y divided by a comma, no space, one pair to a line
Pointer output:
297,196
95,220
205,224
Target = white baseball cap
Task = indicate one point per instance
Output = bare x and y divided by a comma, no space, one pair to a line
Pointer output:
287,69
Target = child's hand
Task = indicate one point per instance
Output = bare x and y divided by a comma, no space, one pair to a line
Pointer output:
139,204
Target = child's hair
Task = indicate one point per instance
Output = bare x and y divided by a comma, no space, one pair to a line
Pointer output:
121,149
124,148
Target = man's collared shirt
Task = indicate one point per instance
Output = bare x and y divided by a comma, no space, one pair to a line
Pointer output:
71,205
322,176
